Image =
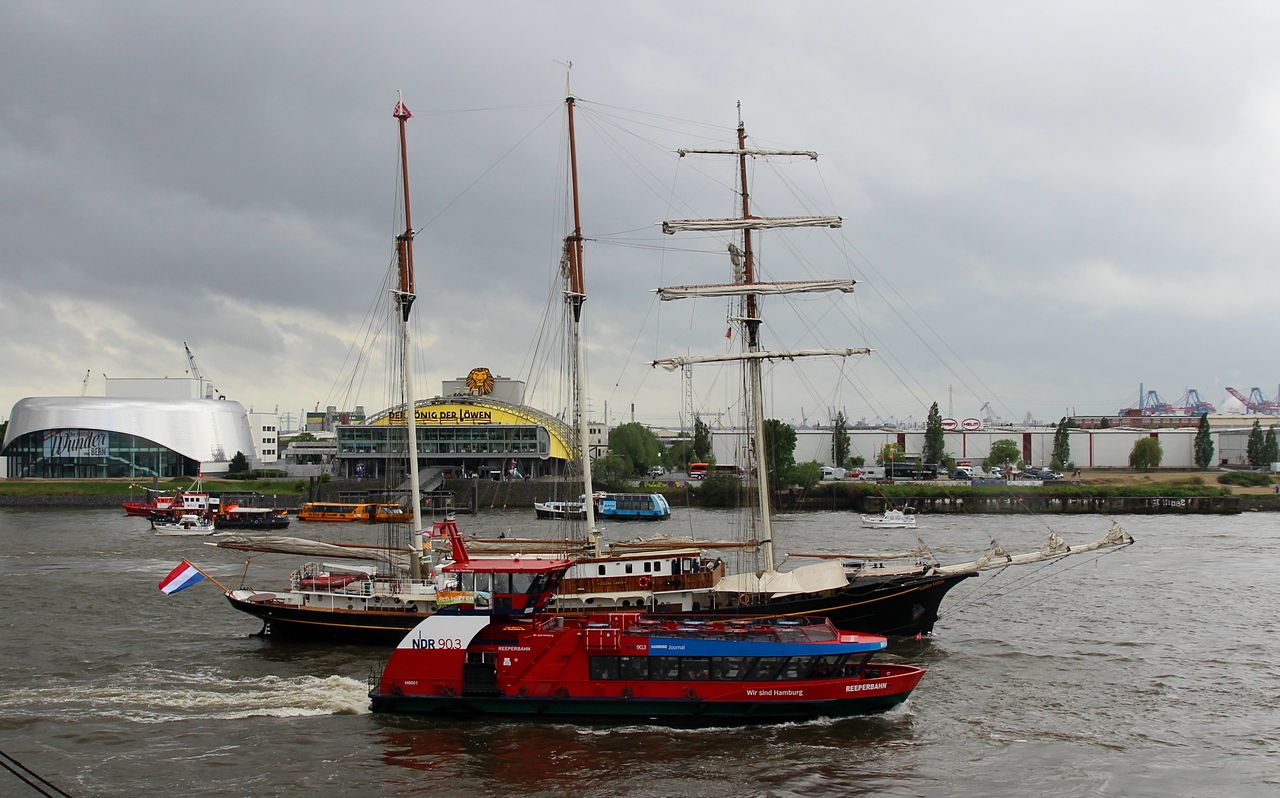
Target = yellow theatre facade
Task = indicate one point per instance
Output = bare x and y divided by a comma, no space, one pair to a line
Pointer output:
461,434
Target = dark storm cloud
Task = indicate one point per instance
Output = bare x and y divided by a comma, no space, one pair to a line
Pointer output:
1047,205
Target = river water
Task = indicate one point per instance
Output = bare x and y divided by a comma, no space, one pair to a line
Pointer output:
1151,671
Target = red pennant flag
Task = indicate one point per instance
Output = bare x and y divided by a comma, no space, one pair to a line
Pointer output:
402,111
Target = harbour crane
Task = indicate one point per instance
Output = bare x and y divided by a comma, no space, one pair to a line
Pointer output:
1255,402
195,372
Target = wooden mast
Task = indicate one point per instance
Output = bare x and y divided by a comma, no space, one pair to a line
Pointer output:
404,298
752,324
576,296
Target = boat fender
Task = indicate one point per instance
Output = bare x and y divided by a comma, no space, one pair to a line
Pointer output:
744,599
626,693
448,691
644,582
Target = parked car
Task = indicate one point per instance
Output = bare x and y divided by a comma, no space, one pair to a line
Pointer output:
657,471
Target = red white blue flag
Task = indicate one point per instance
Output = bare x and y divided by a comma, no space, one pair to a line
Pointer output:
181,578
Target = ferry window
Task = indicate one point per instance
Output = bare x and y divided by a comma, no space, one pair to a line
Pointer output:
675,567
730,669
484,583
502,583
827,667
602,570
695,668
633,667
664,668
766,669
521,583
467,581
796,668
604,667
628,567
647,567
657,566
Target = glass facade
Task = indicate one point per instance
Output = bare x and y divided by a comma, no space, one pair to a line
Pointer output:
368,450
93,454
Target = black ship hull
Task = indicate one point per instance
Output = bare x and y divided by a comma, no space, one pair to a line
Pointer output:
890,605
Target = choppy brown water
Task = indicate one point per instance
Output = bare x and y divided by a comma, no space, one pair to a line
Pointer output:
1152,671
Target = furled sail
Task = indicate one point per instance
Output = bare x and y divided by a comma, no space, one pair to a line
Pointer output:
1055,547
749,223
279,544
739,289
734,151
673,363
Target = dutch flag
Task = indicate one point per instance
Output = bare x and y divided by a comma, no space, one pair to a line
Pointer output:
180,578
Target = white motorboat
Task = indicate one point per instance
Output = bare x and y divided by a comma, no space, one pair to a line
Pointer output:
890,519
186,525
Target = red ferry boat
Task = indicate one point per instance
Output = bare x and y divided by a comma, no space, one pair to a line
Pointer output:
500,654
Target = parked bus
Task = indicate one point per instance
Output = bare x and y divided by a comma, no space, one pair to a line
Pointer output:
698,470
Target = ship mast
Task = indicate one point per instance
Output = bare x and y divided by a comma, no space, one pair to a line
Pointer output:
746,286
575,295
404,299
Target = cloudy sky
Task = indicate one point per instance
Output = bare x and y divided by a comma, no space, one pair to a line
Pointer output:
1046,205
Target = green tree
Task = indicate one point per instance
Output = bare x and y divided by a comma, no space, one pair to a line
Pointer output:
1004,452
636,445
1270,450
239,464
890,452
806,475
678,456
1254,447
779,451
839,441
610,472
1105,423
1147,453
300,437
1204,443
702,449
1061,444
935,440
854,462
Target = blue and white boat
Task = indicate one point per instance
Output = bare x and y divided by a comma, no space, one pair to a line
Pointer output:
633,506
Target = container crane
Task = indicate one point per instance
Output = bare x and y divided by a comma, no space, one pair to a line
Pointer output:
1255,402
1149,404
1192,405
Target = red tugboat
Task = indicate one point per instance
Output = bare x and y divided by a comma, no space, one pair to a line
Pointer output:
499,653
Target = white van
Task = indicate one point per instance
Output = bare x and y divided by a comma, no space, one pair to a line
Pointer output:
872,472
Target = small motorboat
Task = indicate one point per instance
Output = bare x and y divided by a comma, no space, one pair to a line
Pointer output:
186,525
890,519
558,509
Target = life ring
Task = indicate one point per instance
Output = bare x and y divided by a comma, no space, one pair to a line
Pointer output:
744,599
522,692
448,691
562,692
644,582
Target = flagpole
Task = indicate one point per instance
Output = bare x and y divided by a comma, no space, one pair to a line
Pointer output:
205,575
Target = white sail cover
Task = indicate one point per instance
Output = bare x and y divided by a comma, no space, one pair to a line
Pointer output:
742,289
673,363
750,223
805,579
810,154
